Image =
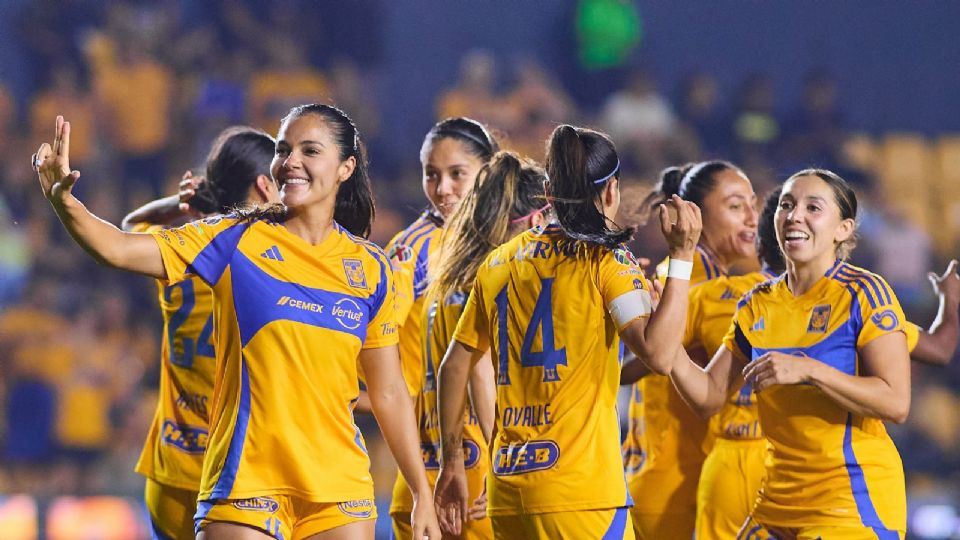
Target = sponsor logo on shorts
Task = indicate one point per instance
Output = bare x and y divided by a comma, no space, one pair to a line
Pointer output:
257,504
361,508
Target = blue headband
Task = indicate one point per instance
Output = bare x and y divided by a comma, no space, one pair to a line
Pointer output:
609,176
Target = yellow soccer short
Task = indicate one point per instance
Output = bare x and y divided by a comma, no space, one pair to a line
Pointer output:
752,530
609,524
284,517
472,530
171,511
731,478
665,501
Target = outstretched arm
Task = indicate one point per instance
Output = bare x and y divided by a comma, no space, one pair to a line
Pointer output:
103,241
707,389
394,412
938,344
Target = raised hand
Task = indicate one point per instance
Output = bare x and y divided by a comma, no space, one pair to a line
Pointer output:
680,223
947,284
52,163
186,191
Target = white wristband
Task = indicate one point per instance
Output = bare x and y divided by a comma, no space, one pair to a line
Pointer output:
680,269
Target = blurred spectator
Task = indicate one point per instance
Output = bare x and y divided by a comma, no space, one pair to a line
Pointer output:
754,129
537,104
15,258
642,123
66,95
813,135
8,118
699,112
285,81
474,95
353,93
136,93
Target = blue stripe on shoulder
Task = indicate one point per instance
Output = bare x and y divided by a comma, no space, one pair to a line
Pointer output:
858,485
414,228
380,293
742,342
213,259
228,474
706,265
421,270
857,279
875,287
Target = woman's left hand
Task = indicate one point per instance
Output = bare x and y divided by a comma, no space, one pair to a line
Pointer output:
778,368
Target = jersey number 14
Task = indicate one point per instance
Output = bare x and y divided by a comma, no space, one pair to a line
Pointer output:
549,357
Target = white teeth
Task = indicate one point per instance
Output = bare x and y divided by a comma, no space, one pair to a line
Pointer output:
797,235
298,181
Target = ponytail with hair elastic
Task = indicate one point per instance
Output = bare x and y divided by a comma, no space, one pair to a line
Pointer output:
507,188
692,182
580,162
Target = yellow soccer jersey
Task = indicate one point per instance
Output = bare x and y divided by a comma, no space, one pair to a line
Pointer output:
173,452
541,302
290,319
827,466
439,322
413,253
712,305
666,436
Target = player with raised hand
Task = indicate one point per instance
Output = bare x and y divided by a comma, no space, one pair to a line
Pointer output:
299,298
551,306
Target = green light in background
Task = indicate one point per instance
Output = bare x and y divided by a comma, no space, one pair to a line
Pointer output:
607,30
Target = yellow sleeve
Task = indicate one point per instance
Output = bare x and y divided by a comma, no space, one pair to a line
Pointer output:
473,329
880,310
144,227
625,290
913,335
382,329
404,263
200,248
736,340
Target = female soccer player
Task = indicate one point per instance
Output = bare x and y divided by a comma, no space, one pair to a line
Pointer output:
667,442
507,199
237,173
734,469
298,300
823,348
452,154
550,305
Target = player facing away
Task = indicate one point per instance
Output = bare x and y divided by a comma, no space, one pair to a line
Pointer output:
667,443
551,306
507,199
824,348
298,300
237,173
453,153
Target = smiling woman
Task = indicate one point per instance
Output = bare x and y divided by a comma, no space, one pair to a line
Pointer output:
282,435
824,348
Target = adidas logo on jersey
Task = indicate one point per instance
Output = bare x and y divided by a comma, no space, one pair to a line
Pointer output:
728,295
272,253
757,326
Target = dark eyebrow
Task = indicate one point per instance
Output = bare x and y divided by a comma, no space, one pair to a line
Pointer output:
817,198
313,142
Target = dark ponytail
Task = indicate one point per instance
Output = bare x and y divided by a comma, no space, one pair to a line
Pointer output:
237,157
768,250
580,162
508,188
355,207
692,182
478,140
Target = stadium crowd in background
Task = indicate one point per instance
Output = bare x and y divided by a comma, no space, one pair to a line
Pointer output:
145,105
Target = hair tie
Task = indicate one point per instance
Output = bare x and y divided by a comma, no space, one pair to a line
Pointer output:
609,176
691,174
520,219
